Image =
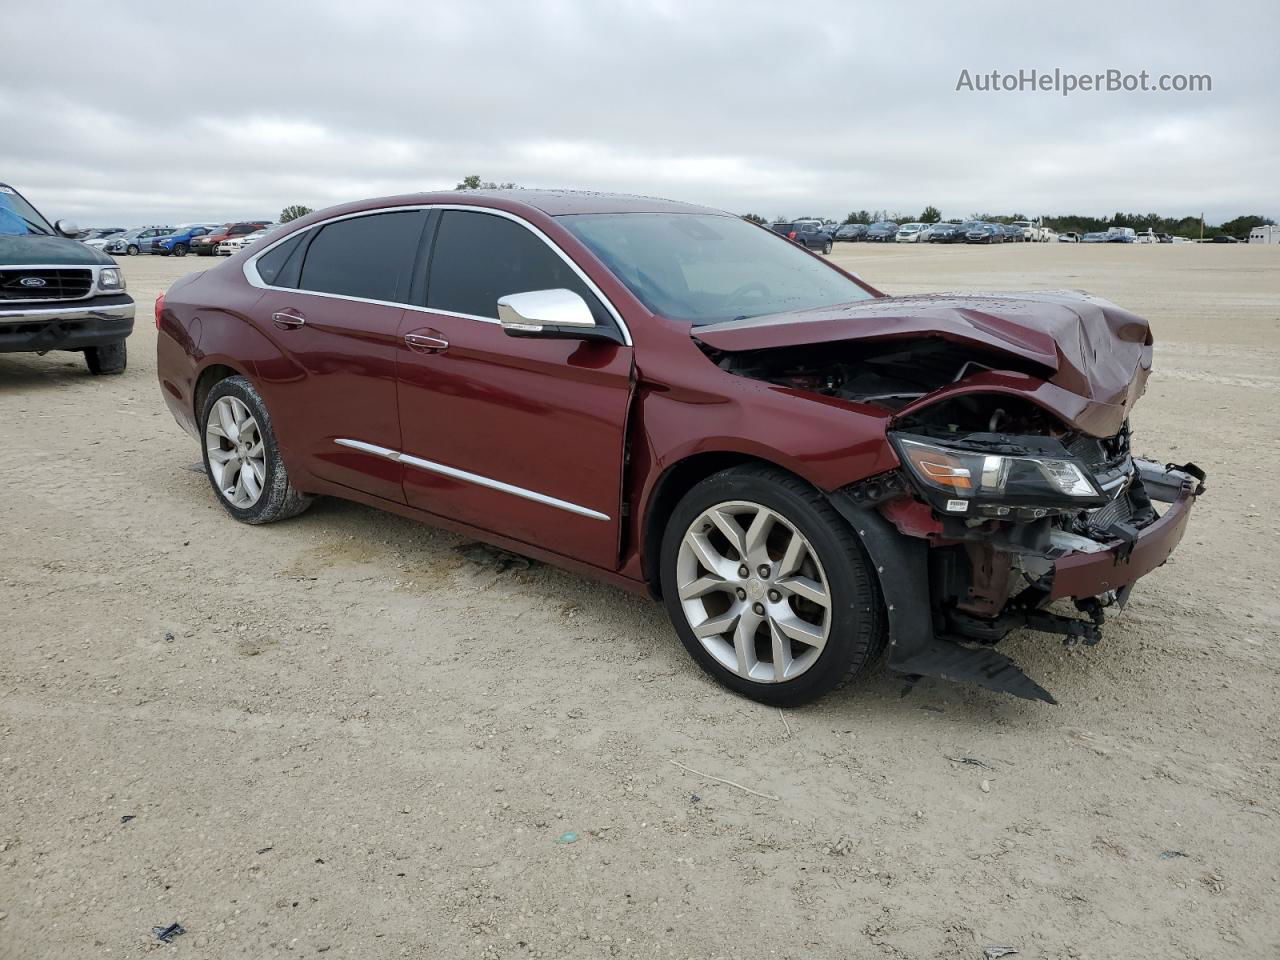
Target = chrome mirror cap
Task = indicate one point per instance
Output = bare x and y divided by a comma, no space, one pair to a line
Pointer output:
530,312
67,228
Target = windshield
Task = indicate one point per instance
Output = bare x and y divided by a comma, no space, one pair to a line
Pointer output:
19,218
705,268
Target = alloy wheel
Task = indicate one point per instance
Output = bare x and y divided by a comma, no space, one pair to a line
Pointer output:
753,591
236,453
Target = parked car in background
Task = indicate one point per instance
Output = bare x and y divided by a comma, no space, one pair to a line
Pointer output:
1069,236
1222,238
57,293
1095,237
234,245
179,242
1121,235
851,232
207,245
946,233
1013,233
984,233
909,232
662,396
886,231
100,236
808,233
133,242
1033,232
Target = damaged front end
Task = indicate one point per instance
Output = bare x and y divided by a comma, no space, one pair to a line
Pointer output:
1016,488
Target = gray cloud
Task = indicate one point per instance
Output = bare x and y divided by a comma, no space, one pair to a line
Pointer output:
210,111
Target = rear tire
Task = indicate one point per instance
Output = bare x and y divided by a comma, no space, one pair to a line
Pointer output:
265,493
834,568
108,359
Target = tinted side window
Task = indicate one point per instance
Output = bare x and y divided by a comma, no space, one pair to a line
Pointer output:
479,257
370,257
280,267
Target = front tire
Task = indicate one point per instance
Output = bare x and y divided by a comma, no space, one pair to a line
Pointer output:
768,588
110,358
241,457
179,249
131,250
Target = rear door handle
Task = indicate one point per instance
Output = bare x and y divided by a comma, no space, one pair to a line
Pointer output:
426,342
284,319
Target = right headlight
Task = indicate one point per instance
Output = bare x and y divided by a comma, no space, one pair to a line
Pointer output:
957,478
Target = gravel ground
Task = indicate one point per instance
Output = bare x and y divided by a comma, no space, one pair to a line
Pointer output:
344,735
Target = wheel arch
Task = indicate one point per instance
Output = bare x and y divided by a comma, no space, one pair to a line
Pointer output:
209,377
671,486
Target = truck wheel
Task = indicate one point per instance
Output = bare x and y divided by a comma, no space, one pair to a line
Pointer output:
131,250
241,457
179,249
769,588
107,359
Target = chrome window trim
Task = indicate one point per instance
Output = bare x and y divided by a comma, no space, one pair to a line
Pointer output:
249,267
453,472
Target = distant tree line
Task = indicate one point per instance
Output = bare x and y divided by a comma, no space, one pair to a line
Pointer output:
1189,227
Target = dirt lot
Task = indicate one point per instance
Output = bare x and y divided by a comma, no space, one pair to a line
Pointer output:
341,735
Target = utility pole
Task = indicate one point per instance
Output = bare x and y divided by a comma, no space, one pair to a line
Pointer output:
1202,225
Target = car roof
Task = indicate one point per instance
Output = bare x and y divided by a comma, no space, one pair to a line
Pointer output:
554,203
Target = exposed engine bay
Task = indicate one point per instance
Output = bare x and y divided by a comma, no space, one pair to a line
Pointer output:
1005,492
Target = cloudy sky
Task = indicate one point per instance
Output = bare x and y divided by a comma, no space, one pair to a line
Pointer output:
138,113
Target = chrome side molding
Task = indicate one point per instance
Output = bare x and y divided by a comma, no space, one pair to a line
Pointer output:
454,473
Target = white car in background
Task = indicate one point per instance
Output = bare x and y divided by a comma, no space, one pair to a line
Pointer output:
233,245
910,232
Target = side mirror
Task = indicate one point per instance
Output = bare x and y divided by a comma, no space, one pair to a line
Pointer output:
556,314
67,229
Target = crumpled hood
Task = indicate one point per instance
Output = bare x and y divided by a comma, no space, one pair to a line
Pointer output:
1089,348
33,250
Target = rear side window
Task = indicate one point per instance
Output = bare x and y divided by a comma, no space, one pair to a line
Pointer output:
281,265
479,257
369,257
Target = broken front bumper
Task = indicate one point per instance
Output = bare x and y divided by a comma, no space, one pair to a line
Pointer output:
1081,574
902,564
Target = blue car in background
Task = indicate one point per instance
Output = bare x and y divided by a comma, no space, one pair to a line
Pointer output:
178,243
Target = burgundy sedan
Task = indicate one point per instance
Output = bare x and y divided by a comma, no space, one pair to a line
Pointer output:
674,400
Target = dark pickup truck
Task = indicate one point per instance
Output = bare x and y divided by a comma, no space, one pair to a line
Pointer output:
56,293
807,233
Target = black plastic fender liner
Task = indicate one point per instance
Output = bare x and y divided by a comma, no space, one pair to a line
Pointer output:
902,564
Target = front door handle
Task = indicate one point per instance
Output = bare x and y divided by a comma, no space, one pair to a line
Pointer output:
426,343
284,319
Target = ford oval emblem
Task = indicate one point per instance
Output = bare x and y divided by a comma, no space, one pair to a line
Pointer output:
31,282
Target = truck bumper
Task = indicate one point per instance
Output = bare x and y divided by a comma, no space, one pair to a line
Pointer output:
70,326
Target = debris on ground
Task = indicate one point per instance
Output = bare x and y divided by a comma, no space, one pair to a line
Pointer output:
569,837
1172,854
487,556
986,786
263,850
993,953
972,761
128,816
166,934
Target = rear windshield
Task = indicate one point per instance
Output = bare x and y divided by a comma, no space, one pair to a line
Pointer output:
705,268
19,218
